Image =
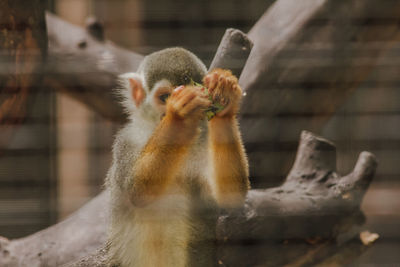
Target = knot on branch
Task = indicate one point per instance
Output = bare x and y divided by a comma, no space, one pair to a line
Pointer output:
95,28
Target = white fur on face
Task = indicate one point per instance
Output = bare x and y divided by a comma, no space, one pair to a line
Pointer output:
150,109
161,83
154,92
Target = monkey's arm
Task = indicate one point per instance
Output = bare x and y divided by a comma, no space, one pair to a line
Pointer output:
161,158
230,167
158,162
229,161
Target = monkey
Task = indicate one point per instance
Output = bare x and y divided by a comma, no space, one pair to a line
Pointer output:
172,170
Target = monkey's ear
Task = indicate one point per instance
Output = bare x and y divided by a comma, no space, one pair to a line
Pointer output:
132,89
136,89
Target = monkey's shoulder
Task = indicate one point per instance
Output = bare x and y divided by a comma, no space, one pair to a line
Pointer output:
125,151
126,146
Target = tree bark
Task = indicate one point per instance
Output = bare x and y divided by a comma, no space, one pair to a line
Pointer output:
233,52
75,237
314,203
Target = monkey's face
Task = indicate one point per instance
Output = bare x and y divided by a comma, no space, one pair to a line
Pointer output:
159,95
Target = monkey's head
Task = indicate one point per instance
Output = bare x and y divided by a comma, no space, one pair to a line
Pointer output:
157,76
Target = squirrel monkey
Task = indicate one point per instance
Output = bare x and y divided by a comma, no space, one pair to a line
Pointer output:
172,169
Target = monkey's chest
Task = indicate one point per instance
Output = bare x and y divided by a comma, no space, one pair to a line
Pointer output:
202,241
177,230
203,217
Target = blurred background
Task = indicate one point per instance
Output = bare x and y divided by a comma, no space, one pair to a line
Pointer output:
58,158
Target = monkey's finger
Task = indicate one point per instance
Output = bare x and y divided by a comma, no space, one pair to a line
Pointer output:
185,97
216,91
199,89
230,90
202,102
197,104
237,90
206,80
226,110
203,90
172,100
209,80
230,82
227,89
223,84
219,91
175,96
213,81
178,90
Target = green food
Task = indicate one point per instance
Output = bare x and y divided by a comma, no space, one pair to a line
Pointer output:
215,107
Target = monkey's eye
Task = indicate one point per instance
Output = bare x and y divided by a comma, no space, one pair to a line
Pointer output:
164,97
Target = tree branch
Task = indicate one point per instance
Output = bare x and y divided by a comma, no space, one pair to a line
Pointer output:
85,66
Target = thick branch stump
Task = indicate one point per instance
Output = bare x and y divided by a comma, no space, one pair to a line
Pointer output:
233,52
314,203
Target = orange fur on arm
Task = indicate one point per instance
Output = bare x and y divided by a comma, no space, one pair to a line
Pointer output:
160,160
229,161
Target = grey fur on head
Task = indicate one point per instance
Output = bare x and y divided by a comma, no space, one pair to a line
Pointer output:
175,64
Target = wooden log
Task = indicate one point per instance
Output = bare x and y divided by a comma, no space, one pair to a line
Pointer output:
314,203
344,255
325,253
75,237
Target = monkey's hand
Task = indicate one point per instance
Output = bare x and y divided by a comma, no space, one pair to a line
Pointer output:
187,103
224,88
